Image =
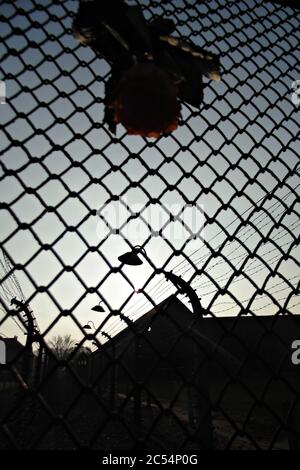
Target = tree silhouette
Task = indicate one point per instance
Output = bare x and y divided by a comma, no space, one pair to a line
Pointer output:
62,346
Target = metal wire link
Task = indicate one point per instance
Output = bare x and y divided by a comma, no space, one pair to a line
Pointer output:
194,349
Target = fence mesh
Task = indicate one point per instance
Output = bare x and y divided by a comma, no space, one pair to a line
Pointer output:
194,348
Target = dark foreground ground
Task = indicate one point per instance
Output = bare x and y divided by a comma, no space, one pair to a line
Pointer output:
87,424
66,415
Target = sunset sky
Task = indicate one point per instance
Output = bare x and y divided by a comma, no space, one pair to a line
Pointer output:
226,158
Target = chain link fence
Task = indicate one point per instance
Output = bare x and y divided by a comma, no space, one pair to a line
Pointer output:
194,344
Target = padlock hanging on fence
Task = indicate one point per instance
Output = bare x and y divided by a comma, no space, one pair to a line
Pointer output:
152,72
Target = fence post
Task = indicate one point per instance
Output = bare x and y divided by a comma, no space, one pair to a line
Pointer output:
203,418
137,390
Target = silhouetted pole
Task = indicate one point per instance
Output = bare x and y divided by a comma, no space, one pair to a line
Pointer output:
112,393
39,364
202,419
202,409
137,402
137,393
29,324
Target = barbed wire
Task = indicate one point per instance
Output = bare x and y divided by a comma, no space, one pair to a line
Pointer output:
152,292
